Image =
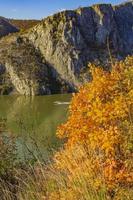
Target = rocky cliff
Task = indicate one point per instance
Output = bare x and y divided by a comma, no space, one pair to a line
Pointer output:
63,45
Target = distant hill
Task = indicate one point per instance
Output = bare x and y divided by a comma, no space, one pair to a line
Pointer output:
6,27
23,24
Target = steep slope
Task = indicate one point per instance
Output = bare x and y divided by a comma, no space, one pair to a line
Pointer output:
65,43
23,70
6,27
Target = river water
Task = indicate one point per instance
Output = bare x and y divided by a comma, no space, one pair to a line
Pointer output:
33,121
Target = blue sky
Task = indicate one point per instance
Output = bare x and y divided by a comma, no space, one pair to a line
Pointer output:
37,9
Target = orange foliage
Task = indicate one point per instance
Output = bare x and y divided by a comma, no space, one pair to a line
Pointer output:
100,120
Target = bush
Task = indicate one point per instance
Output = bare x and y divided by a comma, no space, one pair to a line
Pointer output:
100,121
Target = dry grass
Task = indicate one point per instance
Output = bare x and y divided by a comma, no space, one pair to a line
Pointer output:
50,182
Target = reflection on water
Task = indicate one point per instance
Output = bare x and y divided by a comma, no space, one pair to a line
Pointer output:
34,120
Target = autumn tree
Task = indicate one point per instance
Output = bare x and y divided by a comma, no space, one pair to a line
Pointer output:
100,121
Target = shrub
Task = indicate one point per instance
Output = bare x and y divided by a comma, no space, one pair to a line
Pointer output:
100,121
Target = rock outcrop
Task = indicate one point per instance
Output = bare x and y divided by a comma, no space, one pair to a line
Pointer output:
65,43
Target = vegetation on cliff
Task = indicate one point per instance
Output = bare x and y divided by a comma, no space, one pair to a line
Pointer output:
23,25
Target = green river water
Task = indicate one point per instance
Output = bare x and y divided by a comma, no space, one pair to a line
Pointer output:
34,121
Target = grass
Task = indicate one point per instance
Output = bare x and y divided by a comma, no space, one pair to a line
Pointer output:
68,176
51,182
42,181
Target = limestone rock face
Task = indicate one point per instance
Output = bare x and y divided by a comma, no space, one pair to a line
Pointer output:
124,19
6,27
52,57
25,68
70,39
28,72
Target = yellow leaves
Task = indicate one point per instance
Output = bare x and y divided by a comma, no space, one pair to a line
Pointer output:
100,119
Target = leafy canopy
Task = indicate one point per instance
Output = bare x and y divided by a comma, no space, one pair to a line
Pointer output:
100,119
